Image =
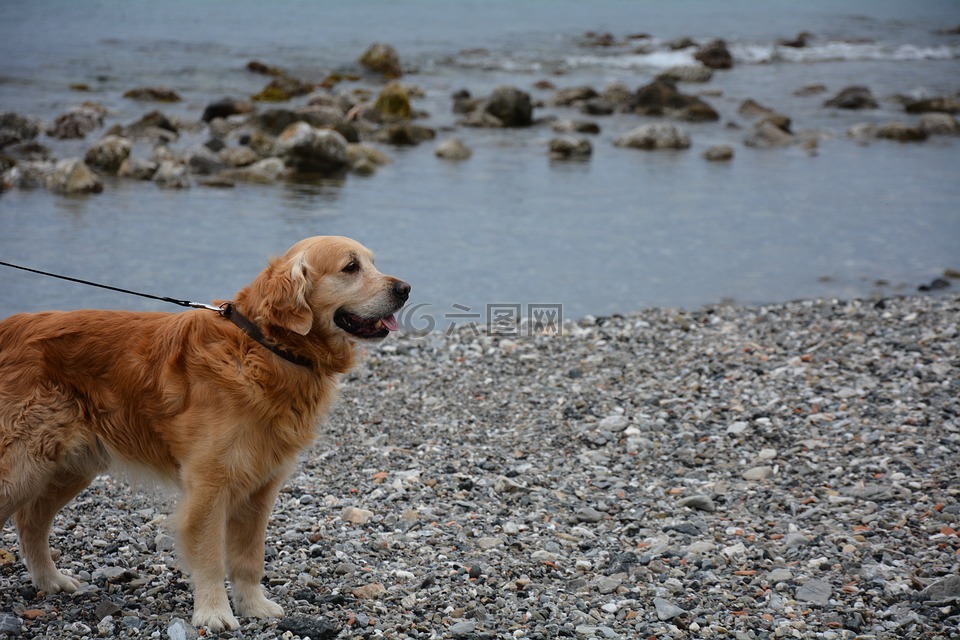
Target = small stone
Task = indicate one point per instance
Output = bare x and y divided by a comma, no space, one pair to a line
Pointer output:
615,423
814,592
758,473
463,628
718,153
178,629
453,149
607,584
306,626
795,540
699,502
107,608
779,575
666,610
589,514
504,484
942,592
355,515
369,591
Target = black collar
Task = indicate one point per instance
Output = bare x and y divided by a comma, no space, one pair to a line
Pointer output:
230,312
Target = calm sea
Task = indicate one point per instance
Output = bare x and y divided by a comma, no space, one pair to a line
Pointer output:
622,231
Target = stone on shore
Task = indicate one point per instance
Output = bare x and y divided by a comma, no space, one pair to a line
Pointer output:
718,153
266,171
855,97
453,149
393,102
510,106
15,128
649,137
171,174
939,124
137,168
715,55
382,58
901,132
73,177
153,94
570,148
768,133
108,154
308,149
688,73
224,108
78,121
662,98
945,104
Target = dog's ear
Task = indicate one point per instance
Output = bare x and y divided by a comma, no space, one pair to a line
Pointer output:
283,296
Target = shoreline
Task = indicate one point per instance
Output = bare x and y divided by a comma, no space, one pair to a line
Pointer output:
786,470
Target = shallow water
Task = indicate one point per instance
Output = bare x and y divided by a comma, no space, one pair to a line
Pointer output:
623,231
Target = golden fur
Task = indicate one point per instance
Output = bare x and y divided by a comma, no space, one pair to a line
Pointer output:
191,397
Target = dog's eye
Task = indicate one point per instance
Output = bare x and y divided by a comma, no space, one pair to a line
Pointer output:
352,267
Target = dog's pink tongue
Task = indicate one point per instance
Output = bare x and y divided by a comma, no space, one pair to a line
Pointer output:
390,322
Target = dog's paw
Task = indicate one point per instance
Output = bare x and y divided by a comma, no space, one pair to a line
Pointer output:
215,619
56,582
259,607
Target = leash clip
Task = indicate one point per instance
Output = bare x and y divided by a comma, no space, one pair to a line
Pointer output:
209,307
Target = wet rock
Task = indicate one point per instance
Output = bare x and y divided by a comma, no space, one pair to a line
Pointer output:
799,42
570,148
901,132
15,128
597,107
810,90
238,156
715,55
688,73
266,171
108,154
654,136
661,97
855,97
264,69
571,96
939,124
226,107
31,174
282,88
576,126
154,126
382,58
511,106
365,159
137,168
172,174
718,153
73,177
30,151
153,94
78,121
203,161
453,149
945,104
766,134
405,134
393,102
308,149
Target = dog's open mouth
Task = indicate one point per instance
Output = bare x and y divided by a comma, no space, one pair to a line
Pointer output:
366,328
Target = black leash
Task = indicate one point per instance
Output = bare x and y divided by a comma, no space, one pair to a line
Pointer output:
227,310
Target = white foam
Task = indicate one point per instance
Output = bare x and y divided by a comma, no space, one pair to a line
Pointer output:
654,59
840,52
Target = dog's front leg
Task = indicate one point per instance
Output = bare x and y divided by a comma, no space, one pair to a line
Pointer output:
203,520
246,530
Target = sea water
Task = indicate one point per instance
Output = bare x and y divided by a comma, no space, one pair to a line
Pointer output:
621,231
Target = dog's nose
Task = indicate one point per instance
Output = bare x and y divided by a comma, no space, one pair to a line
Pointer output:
401,289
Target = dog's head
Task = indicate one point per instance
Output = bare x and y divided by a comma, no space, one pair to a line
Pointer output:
328,284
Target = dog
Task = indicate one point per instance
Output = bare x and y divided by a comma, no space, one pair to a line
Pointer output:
219,403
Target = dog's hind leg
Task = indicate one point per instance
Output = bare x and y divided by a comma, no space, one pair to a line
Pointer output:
33,520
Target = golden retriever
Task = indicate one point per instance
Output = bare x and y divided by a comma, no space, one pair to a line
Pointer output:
220,409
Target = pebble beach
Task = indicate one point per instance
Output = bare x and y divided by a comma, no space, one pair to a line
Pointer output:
781,471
